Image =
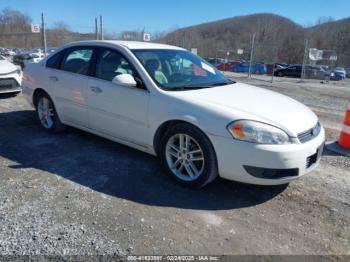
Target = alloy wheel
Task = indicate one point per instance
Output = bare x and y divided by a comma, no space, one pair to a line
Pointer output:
184,157
45,112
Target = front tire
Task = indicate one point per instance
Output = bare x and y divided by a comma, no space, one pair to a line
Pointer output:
47,115
188,156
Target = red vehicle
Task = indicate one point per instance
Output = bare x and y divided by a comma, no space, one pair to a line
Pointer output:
226,66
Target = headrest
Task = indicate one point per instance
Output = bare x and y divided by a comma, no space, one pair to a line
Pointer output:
152,65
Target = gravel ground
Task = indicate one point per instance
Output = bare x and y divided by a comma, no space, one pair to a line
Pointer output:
78,194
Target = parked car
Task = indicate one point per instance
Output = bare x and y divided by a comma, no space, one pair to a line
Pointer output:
215,61
11,52
7,52
290,71
10,77
22,59
337,75
37,54
226,66
282,65
166,101
51,50
257,68
17,51
311,72
322,73
25,58
340,71
271,67
347,72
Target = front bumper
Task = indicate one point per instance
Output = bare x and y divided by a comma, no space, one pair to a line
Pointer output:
10,83
235,156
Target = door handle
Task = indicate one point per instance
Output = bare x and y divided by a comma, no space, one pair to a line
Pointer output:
96,89
53,78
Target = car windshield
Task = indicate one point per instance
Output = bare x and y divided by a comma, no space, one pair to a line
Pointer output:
180,69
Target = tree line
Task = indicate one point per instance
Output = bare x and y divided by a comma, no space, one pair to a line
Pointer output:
277,39
15,32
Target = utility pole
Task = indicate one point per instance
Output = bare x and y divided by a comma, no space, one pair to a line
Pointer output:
306,51
96,29
143,33
183,40
273,72
43,33
251,56
101,26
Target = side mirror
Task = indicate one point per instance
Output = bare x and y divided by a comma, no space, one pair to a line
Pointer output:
124,80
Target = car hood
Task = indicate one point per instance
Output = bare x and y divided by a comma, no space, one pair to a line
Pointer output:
7,67
249,102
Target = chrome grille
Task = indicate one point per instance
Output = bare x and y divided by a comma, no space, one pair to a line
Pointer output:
310,134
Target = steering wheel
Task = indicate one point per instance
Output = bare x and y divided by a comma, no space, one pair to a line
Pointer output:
176,77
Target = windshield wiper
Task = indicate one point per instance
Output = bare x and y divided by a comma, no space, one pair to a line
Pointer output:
229,82
194,87
188,88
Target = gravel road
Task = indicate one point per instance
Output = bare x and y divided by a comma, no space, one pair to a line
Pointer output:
78,194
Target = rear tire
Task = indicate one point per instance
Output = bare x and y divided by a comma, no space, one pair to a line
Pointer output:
47,115
188,156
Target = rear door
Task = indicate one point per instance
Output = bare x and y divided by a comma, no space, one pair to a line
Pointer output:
70,82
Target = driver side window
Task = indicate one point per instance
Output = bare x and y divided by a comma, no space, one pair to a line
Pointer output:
110,63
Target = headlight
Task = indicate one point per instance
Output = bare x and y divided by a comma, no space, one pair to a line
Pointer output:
257,132
17,71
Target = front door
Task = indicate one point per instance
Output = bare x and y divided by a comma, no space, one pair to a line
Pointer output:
116,110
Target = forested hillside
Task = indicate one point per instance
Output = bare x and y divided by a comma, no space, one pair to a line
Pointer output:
277,38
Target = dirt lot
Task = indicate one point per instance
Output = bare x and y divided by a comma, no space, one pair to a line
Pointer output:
76,193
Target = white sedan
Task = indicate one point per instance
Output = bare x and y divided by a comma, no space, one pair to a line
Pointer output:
10,77
168,102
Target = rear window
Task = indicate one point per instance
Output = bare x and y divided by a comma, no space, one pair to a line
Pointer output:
77,60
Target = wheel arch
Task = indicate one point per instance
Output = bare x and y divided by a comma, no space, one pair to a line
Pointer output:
36,94
164,127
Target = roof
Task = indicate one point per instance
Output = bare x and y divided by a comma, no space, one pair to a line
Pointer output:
130,44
